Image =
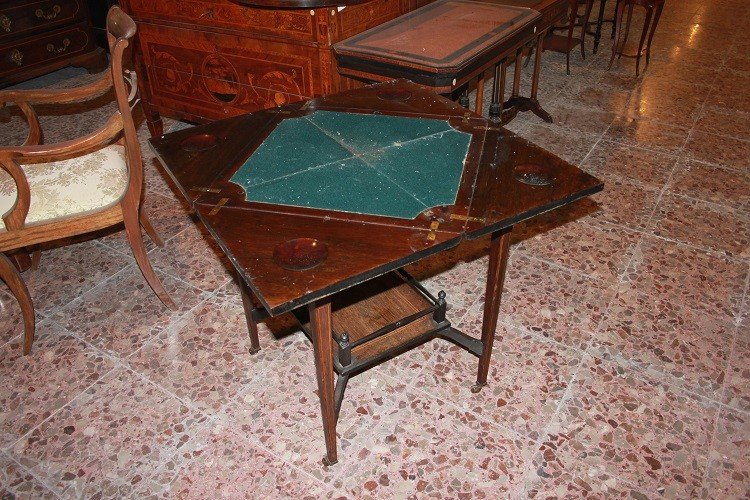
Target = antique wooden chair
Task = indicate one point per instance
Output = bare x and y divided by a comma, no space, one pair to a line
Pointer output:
653,10
567,42
54,191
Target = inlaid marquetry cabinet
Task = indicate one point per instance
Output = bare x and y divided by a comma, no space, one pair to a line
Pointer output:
37,37
202,60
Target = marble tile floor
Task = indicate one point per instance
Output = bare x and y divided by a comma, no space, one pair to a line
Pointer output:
623,351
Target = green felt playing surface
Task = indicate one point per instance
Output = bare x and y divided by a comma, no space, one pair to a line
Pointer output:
389,166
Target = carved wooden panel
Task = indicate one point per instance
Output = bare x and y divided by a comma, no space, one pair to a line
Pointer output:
297,24
226,75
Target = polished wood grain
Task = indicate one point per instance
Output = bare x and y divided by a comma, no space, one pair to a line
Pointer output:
440,46
500,243
362,308
120,129
320,319
204,60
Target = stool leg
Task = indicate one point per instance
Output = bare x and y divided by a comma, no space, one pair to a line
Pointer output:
644,32
618,33
659,8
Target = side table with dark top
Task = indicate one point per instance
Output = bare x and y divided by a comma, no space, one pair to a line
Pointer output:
442,46
320,205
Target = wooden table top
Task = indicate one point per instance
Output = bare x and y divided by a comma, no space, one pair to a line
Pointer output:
440,42
291,252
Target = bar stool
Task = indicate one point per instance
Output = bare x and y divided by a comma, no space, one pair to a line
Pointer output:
653,10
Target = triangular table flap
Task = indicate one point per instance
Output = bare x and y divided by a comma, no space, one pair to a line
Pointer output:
354,252
199,156
397,97
518,180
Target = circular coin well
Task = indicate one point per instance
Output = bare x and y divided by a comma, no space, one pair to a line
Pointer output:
300,254
394,95
199,142
534,174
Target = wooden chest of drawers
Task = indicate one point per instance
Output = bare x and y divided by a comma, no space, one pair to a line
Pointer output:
202,60
37,37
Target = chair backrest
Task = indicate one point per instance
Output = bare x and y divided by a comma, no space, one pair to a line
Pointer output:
120,32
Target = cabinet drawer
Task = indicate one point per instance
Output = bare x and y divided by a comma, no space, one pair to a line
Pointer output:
227,71
42,49
297,24
19,19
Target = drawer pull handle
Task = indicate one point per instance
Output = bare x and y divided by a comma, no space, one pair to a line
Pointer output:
65,44
50,15
16,56
5,23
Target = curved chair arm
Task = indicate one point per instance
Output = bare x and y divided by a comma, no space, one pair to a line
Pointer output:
24,99
42,153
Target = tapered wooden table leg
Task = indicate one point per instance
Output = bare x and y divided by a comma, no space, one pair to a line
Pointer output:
494,290
320,321
252,324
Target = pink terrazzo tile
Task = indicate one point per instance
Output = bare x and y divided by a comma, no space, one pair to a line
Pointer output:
11,321
651,435
585,119
722,121
281,411
577,480
222,463
67,272
647,134
204,358
729,471
108,439
570,145
704,225
167,214
667,340
59,368
704,282
430,449
602,251
614,160
737,393
585,93
16,483
623,202
526,382
719,150
553,302
711,183
192,256
124,313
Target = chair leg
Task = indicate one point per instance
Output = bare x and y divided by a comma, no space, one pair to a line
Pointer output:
567,63
150,231
133,230
10,275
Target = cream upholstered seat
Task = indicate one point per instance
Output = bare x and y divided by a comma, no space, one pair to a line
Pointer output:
70,187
